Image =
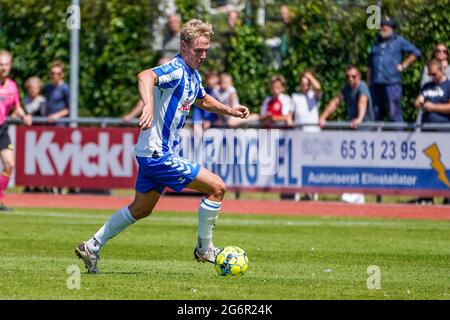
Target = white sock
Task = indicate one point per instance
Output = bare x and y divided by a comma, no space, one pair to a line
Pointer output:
208,213
116,224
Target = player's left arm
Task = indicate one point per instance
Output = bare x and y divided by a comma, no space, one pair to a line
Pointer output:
210,104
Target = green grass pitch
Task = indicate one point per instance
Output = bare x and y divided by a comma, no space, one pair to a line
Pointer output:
290,257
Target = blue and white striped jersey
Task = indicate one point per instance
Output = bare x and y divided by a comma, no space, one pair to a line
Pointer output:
177,89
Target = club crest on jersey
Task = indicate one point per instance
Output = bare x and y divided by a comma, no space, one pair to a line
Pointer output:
186,106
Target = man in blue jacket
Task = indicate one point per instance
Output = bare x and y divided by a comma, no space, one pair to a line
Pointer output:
385,67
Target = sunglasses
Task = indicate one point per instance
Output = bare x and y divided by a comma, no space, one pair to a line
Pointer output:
442,50
351,76
56,73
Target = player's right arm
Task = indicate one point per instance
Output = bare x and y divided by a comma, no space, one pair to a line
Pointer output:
146,82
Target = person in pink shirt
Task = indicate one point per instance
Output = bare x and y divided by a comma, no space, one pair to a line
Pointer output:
9,100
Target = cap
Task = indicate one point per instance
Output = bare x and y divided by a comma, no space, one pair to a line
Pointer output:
387,21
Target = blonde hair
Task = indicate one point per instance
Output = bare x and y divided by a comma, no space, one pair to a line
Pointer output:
33,80
6,53
279,78
226,76
194,29
57,63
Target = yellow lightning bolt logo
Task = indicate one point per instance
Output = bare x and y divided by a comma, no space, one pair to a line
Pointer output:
434,154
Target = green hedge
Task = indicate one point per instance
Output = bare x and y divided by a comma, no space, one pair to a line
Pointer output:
116,43
326,37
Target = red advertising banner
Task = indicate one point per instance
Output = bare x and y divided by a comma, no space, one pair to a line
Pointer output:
93,158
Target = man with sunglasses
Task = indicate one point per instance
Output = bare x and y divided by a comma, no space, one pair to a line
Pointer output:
356,96
434,97
57,93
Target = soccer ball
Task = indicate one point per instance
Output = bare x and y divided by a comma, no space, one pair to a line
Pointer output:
231,261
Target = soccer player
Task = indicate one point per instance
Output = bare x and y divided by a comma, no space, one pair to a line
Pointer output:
9,100
168,93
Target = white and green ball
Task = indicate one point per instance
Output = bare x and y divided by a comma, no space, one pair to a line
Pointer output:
231,261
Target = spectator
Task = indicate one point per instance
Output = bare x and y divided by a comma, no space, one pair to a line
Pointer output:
34,103
279,45
434,97
357,98
226,93
276,110
202,119
57,93
440,52
385,68
307,101
434,100
171,42
232,22
286,16
306,111
9,99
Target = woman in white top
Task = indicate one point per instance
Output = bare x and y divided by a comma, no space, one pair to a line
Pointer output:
306,111
307,102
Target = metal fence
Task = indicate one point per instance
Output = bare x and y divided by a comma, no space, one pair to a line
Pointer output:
331,125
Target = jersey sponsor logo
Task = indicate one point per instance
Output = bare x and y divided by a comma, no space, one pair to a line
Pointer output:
186,106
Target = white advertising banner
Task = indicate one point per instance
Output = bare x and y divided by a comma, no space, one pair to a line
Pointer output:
388,162
392,162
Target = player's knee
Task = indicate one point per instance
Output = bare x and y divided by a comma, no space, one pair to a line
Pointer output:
220,189
9,167
139,212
